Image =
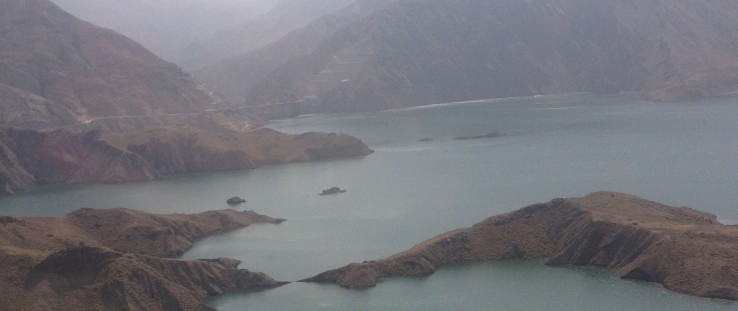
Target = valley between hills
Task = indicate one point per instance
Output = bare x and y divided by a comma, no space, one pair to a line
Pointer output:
84,104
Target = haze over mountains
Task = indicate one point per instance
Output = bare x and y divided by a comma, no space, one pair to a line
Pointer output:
65,82
286,16
196,33
168,27
59,71
423,52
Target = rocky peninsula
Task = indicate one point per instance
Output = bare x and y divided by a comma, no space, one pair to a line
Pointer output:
118,259
684,250
29,157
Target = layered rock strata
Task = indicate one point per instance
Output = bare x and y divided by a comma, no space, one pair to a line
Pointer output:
115,260
30,157
683,249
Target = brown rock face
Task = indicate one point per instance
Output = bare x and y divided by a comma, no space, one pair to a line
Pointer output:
59,71
114,260
685,250
28,157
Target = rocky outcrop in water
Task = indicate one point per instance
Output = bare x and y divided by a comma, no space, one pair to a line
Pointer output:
115,260
30,157
235,201
332,190
683,249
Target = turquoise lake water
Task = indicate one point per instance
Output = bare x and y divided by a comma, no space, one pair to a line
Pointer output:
683,154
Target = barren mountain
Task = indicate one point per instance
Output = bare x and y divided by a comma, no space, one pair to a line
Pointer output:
421,52
57,71
115,260
230,76
683,249
30,157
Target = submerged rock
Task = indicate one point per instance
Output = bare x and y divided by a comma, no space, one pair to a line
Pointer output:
332,190
492,134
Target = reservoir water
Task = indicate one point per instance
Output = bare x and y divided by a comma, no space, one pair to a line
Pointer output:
410,190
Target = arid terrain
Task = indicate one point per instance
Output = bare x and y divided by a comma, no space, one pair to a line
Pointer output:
29,157
118,259
685,250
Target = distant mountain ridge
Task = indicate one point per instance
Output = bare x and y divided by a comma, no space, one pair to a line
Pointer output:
285,17
167,27
422,52
59,71
232,77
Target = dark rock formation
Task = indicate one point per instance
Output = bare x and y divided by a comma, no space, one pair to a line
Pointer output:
683,249
114,260
332,190
235,201
28,157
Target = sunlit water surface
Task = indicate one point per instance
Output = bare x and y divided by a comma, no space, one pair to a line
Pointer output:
408,190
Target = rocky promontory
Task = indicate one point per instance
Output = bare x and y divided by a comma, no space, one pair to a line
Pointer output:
117,259
29,157
685,250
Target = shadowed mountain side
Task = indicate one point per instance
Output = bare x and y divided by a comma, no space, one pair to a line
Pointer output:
683,249
422,52
58,71
28,157
112,260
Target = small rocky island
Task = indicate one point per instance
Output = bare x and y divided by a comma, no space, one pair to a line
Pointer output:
332,190
118,259
235,201
685,250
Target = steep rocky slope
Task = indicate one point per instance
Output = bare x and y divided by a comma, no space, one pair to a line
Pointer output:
112,260
58,71
233,76
28,157
685,250
422,52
